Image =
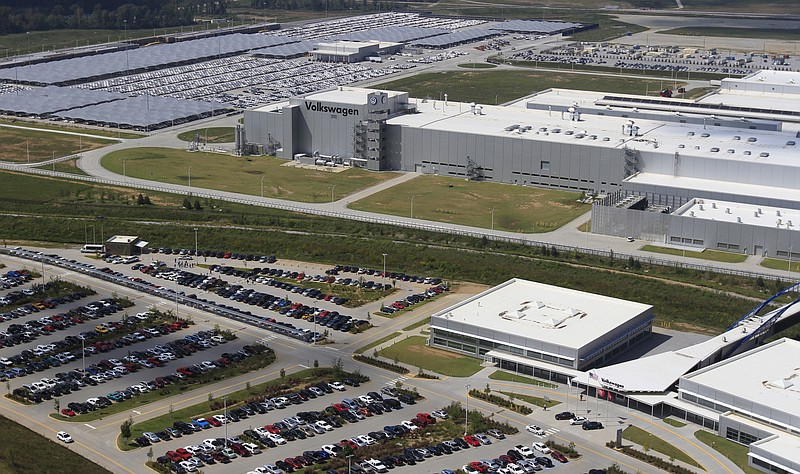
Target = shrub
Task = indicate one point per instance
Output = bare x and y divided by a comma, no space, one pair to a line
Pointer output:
650,459
500,401
381,364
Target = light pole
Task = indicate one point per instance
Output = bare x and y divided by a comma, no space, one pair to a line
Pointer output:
790,260
190,178
384,268
332,188
349,465
83,355
262,185
466,408
412,205
492,218
225,414
195,240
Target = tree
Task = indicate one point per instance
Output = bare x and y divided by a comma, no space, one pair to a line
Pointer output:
197,206
187,203
316,364
125,429
147,200
140,199
283,373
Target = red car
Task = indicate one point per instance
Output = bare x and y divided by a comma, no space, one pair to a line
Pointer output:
213,421
472,441
426,417
67,412
558,456
479,466
184,454
272,429
293,462
347,442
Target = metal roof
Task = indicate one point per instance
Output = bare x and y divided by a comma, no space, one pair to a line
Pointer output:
535,26
142,111
285,51
456,37
88,68
392,34
46,100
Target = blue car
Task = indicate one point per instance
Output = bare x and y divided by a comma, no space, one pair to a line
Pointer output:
448,471
203,424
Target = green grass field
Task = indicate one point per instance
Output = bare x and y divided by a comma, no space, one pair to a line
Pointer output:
32,145
210,135
377,342
490,87
27,452
675,423
724,32
651,441
780,264
456,201
733,451
415,352
240,174
714,255
516,378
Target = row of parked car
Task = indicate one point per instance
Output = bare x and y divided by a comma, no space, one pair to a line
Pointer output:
26,332
9,280
379,273
217,254
213,450
413,299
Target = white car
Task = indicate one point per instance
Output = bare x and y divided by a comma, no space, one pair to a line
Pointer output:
514,469
188,466
337,386
440,414
276,438
64,437
524,451
535,430
578,420
324,425
541,447
376,465
409,425
221,419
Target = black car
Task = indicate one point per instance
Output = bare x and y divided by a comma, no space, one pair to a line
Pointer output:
461,443
142,442
565,415
543,461
407,399
592,425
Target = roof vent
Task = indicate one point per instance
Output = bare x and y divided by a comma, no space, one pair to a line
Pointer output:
681,146
705,135
748,152
790,143
713,205
556,130
605,139
752,139
697,147
731,150
569,132
763,154
714,149
739,219
691,134
755,213
593,137
788,223
737,137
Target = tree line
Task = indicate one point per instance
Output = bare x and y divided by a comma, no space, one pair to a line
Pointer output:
21,16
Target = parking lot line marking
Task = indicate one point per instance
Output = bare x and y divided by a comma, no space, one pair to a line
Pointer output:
303,366
90,426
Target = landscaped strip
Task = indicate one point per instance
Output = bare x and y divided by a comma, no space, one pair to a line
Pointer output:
538,401
650,441
713,255
509,377
378,342
736,452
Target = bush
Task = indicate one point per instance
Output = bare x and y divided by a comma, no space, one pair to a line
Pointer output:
381,364
650,459
568,451
500,401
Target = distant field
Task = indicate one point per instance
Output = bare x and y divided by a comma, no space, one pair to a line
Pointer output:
456,201
477,66
240,174
210,135
755,33
19,145
490,87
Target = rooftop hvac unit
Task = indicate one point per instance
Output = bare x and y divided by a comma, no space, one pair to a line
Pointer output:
755,213
713,205
763,154
778,212
705,135
739,220
748,152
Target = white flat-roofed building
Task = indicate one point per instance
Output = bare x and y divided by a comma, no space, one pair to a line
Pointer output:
757,395
540,329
